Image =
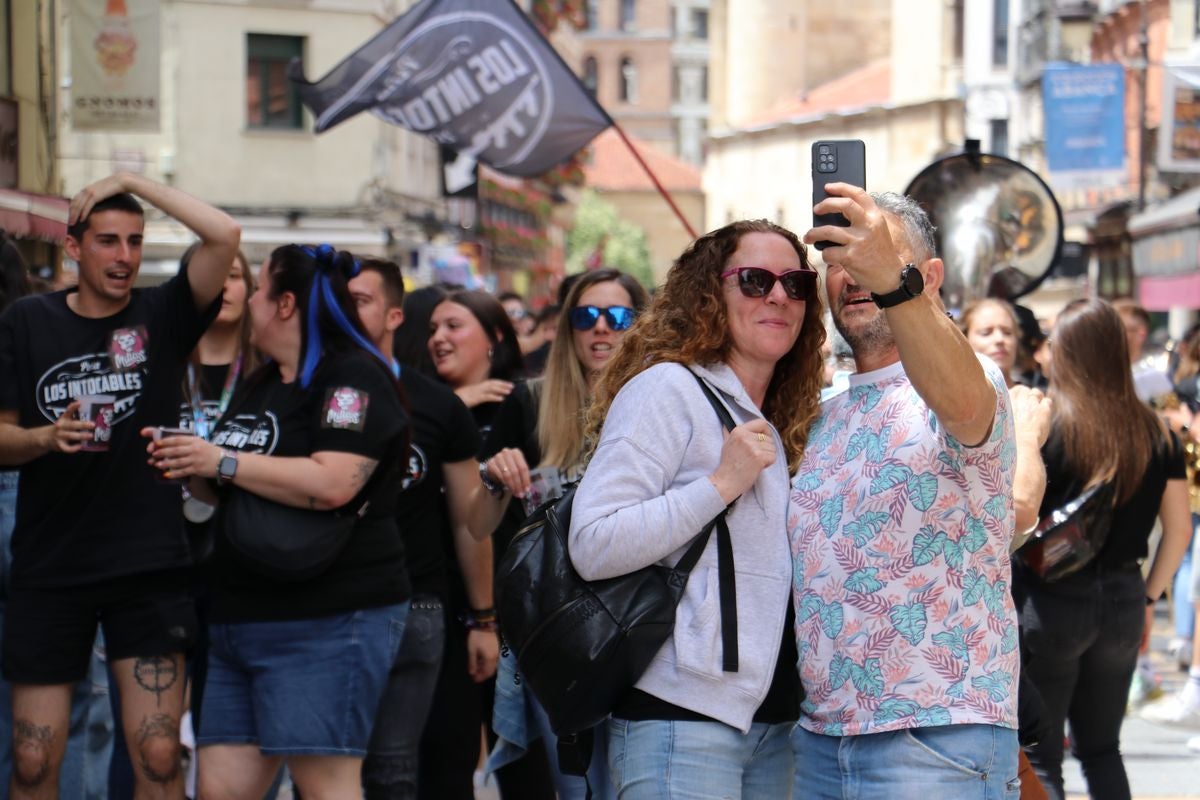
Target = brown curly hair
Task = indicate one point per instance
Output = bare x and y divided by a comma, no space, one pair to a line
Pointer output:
687,324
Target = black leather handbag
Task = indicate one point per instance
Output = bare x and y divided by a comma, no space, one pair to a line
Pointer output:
1069,538
581,645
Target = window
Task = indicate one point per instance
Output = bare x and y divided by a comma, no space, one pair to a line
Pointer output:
999,137
1000,33
591,75
699,24
628,15
628,82
272,101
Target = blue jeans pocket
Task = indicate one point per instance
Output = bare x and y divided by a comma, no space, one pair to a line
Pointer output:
953,746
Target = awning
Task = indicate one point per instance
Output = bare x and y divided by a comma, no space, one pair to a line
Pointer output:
1181,211
1165,293
26,215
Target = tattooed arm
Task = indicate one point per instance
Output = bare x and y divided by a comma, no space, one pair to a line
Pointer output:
325,480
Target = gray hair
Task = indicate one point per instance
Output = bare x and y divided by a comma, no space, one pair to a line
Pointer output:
918,230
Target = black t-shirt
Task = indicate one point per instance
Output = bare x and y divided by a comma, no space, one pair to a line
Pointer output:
350,407
514,424
443,432
84,517
1133,520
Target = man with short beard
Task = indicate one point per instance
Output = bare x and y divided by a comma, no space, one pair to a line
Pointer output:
903,516
98,537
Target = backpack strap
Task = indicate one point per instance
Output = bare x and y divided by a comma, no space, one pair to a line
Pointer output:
726,580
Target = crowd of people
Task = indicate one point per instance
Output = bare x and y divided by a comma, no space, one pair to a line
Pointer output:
255,514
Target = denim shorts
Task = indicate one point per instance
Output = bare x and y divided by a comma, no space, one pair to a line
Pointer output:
692,760
300,687
947,761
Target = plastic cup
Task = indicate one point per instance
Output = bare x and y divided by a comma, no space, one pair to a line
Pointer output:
544,484
160,432
97,409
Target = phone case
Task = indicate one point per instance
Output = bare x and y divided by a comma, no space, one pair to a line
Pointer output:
843,161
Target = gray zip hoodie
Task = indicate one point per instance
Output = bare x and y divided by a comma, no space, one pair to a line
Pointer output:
646,495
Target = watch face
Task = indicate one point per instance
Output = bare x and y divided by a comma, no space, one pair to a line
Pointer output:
914,282
227,466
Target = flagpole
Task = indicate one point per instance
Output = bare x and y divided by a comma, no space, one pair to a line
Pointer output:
654,179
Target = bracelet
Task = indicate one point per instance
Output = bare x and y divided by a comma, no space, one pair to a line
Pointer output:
497,489
481,619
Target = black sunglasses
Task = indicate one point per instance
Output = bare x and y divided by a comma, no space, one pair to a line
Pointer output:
798,284
584,318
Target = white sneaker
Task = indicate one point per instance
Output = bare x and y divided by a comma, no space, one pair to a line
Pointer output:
1193,744
1180,652
1173,710
1144,688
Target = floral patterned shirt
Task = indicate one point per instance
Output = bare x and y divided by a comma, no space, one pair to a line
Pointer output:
901,576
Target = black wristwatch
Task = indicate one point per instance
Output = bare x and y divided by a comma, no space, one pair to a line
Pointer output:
912,284
227,467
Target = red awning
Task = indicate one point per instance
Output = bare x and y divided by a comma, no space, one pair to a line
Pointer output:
26,215
1162,294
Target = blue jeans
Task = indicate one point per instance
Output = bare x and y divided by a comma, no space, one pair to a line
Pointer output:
1081,637
390,770
307,687
1181,590
671,760
958,761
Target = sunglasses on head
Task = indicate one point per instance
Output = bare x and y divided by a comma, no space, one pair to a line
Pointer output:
584,318
798,284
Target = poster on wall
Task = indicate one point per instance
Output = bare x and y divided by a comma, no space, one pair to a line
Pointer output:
1179,132
1085,124
114,64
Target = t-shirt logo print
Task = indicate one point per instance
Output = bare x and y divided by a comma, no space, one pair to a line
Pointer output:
128,348
345,409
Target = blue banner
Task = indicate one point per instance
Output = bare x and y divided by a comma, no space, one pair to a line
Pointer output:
1085,124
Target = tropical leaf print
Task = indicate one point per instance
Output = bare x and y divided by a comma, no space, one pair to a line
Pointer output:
927,544
831,515
993,598
976,535
954,640
864,581
875,446
807,481
894,708
997,684
1008,642
859,441
932,716
890,475
922,490
832,618
952,461
867,678
952,551
839,671
910,621
866,527
869,396
974,584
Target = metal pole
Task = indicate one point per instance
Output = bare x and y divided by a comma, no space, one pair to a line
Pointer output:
1143,150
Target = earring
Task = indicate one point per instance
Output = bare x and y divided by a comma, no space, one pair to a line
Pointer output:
491,352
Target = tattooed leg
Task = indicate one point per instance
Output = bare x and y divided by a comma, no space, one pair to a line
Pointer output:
158,748
156,674
151,692
41,717
32,745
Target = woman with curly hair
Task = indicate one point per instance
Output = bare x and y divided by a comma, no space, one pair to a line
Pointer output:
711,715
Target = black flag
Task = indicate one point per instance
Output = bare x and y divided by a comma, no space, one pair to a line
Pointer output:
475,75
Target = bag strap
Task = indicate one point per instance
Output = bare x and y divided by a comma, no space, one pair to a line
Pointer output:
726,580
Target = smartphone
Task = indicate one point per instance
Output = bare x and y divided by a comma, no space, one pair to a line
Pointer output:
843,161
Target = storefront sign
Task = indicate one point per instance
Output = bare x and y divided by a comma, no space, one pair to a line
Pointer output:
1179,134
1085,124
115,64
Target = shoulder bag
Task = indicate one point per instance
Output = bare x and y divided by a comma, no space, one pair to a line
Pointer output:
1069,537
